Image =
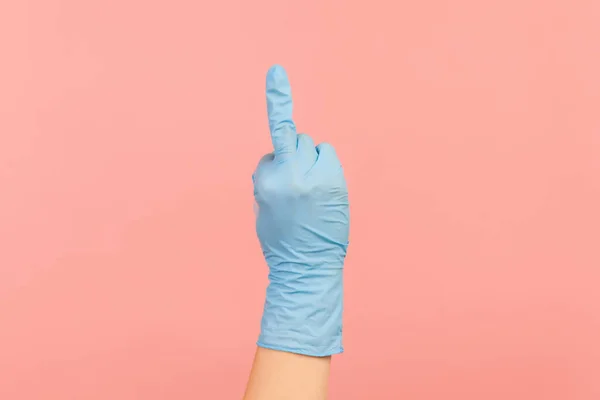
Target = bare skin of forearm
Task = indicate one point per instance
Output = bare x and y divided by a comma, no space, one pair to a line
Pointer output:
278,375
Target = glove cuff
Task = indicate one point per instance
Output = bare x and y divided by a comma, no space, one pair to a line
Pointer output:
303,310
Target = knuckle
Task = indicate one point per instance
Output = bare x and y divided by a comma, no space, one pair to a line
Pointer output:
266,185
266,158
326,146
304,138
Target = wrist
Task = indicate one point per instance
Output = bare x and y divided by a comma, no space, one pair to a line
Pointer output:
303,310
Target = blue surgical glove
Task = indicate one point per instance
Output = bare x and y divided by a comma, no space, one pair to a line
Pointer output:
302,225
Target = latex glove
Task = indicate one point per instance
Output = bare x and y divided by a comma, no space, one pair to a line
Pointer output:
302,225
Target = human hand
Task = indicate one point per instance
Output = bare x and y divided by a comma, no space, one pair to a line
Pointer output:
302,225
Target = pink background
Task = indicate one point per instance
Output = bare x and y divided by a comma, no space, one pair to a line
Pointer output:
470,133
